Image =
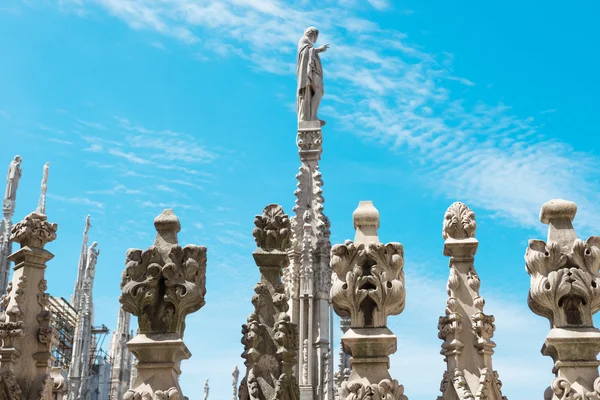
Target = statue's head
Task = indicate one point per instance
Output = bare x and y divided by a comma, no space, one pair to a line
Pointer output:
18,159
311,33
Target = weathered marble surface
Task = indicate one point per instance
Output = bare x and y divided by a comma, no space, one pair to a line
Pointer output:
368,286
565,289
465,329
161,286
309,73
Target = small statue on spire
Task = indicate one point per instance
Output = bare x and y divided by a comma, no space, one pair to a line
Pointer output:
12,180
41,208
206,389
309,72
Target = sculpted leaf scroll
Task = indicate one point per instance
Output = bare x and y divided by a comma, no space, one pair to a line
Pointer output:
368,282
162,293
459,222
565,283
273,229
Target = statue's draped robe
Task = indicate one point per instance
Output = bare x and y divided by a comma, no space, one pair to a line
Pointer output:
14,173
310,81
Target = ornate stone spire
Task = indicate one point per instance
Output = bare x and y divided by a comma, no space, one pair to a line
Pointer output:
235,375
308,278
269,337
343,372
27,337
78,289
206,390
8,209
565,289
465,329
368,286
120,357
161,286
82,338
41,208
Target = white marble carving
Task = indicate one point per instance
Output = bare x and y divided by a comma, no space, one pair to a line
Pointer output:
565,289
309,72
269,337
368,286
161,286
465,329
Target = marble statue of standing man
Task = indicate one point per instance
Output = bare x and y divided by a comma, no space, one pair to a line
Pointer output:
41,208
12,181
309,72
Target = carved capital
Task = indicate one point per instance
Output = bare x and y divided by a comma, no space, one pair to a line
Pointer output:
34,231
368,282
166,282
273,229
565,283
310,137
459,222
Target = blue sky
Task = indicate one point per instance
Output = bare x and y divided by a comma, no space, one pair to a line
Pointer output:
140,105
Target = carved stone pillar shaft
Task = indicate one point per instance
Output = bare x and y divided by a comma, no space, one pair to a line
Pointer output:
27,337
465,329
269,336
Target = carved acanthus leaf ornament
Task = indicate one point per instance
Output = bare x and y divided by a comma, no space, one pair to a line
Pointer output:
565,283
385,390
368,282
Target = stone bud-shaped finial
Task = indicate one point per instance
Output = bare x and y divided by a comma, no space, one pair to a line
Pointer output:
565,283
459,222
34,231
273,229
166,282
368,279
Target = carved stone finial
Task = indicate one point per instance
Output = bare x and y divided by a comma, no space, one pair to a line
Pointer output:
167,227
34,231
269,337
368,286
273,229
459,222
465,329
565,288
164,283
366,223
161,286
559,215
565,283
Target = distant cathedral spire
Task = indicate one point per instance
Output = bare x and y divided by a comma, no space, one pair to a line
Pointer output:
120,357
41,208
75,299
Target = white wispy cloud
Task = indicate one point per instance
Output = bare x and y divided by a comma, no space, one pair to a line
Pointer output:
94,148
89,124
117,189
60,141
401,98
77,200
129,156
